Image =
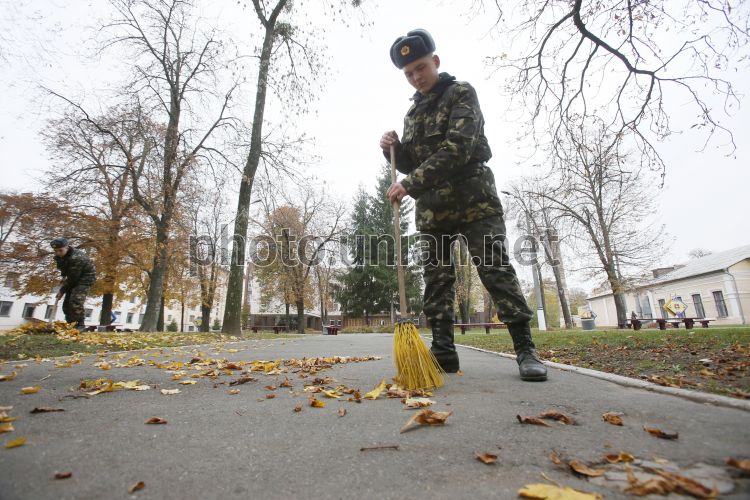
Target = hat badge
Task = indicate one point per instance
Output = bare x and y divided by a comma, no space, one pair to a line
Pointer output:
405,50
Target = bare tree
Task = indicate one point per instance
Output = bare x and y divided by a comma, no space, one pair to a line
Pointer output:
630,63
608,196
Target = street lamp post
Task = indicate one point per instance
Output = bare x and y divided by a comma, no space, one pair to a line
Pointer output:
541,320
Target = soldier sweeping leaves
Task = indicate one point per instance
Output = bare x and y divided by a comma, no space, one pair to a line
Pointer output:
78,273
443,152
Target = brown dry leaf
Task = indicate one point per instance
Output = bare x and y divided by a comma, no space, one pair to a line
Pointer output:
342,412
556,415
532,420
357,396
270,395
103,365
623,456
234,391
315,403
555,458
155,420
297,408
687,485
169,392
707,373
30,390
373,394
242,380
7,427
540,491
7,377
660,433
413,403
285,383
613,417
137,486
271,387
487,458
426,417
585,470
45,409
743,465
15,443
188,382
63,475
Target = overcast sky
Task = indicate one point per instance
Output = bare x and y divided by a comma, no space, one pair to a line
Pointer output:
703,204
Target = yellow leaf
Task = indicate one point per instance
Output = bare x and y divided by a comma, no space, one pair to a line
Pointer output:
234,391
6,428
189,382
30,390
103,365
373,394
541,491
316,403
169,392
9,376
15,443
331,394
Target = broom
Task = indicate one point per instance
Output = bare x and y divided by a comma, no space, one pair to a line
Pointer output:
416,366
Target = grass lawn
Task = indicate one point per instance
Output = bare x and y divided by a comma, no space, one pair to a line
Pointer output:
713,359
14,347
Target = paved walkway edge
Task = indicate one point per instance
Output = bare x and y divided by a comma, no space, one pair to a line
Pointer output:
698,397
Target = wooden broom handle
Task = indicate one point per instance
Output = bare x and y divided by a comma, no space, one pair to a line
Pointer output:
397,227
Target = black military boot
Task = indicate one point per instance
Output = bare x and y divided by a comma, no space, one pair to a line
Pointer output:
529,365
443,347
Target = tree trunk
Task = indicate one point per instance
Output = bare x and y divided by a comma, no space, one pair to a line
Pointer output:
555,260
182,317
301,316
205,318
156,285
160,321
105,318
287,317
233,308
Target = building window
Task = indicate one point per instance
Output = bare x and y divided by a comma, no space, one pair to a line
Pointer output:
140,318
5,307
48,312
89,312
28,310
11,280
130,318
192,316
698,304
647,311
721,306
661,308
169,318
191,328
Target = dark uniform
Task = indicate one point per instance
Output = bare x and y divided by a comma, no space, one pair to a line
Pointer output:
443,151
78,274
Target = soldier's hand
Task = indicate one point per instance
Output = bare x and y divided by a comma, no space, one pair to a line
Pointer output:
389,139
396,192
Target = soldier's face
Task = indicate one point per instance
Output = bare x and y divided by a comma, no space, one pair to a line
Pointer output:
422,74
60,252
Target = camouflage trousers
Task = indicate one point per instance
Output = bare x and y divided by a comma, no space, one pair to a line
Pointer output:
73,305
484,239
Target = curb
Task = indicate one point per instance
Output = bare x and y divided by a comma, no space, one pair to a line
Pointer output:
695,396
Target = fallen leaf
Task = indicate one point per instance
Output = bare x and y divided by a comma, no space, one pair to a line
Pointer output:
7,377
743,465
540,491
418,402
103,365
243,380
707,373
189,382
342,412
45,409
63,475
315,403
330,394
234,391
426,417
30,390
660,433
373,394
15,443
555,458
285,383
614,458
4,418
169,392
613,417
460,373
271,387
583,469
297,408
137,486
6,428
156,420
357,396
532,420
6,408
270,395
487,458
556,415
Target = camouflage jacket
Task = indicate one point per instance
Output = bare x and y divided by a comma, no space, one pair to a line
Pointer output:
443,150
76,269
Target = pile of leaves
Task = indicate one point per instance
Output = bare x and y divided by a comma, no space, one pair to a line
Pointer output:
61,329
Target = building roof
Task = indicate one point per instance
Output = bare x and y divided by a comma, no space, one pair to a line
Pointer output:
708,264
696,267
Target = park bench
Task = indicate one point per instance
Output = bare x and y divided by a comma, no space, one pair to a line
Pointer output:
276,329
486,326
332,329
675,322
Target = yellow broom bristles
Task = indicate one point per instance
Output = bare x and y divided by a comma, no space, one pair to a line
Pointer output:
416,366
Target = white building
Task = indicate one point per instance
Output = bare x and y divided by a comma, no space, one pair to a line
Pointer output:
716,286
